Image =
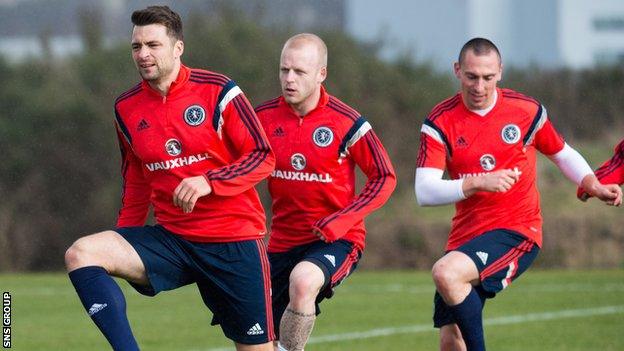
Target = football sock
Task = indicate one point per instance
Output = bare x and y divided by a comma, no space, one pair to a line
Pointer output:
105,304
295,329
469,320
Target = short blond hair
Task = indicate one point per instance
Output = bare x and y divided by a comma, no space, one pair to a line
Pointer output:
302,39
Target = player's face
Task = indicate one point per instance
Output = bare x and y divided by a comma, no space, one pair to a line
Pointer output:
155,53
301,74
479,76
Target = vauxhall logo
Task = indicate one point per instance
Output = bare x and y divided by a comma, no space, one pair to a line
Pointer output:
177,162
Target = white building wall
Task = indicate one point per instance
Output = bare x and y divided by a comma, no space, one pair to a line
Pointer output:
545,33
582,42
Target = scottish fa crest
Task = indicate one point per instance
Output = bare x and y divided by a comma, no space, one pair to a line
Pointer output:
510,133
488,162
173,147
298,161
323,136
194,115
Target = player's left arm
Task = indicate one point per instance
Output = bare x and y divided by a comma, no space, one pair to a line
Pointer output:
242,132
370,155
574,166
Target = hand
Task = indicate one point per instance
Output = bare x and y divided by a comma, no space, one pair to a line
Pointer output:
189,191
611,194
494,182
584,196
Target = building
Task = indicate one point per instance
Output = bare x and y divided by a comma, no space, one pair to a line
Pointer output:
547,33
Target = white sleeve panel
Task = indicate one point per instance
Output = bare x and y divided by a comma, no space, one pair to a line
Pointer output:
432,190
571,164
432,133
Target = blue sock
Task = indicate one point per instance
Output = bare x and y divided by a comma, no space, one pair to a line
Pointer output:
469,320
105,303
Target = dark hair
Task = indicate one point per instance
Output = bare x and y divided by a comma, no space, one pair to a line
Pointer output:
480,47
160,15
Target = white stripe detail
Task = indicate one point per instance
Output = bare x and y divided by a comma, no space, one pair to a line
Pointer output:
540,123
364,128
229,96
432,133
510,272
421,328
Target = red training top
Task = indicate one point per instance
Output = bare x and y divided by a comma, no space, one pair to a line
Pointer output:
467,144
204,126
313,184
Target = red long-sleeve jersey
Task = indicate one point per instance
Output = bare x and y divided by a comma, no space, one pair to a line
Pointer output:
467,144
203,126
611,171
313,184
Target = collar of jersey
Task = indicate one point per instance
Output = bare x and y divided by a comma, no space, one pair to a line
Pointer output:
176,85
323,100
499,98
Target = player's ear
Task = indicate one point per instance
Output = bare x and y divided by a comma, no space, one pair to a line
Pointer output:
322,74
178,48
457,70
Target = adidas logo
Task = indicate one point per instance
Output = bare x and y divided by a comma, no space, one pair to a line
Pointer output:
96,307
461,142
142,125
255,330
279,132
331,259
483,256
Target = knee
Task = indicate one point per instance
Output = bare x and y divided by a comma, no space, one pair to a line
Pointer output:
302,288
75,255
84,252
443,276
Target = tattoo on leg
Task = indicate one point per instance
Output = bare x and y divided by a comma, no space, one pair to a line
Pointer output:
295,329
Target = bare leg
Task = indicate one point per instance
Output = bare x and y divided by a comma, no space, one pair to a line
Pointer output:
454,275
297,323
451,338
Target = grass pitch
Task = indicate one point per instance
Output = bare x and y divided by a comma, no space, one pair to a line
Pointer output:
543,310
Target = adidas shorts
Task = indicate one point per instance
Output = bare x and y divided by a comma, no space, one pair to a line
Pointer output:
501,256
232,278
337,260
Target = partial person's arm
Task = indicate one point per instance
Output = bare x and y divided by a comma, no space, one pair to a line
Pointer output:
610,172
135,191
369,154
243,134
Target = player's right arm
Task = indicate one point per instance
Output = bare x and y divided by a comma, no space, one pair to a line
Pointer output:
135,191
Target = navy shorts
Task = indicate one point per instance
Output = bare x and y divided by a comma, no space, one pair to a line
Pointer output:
501,256
337,260
232,278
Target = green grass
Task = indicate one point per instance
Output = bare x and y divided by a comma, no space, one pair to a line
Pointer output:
46,314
